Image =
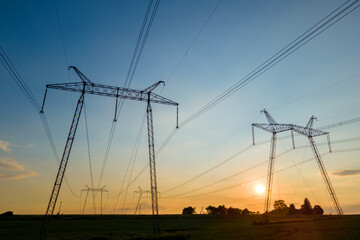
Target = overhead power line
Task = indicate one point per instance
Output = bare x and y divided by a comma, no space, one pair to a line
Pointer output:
140,44
5,60
194,40
131,163
260,177
332,18
253,167
338,124
210,169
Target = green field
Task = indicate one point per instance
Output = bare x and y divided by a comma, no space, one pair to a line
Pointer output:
181,227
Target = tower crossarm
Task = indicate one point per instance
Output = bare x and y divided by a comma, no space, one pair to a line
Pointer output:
273,127
80,74
308,132
111,91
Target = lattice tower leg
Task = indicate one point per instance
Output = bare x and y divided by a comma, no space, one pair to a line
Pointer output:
154,196
270,174
87,194
137,205
326,178
63,163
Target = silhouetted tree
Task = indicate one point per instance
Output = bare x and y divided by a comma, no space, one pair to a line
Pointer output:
306,207
188,211
233,211
211,210
280,208
280,205
318,210
245,212
292,210
221,210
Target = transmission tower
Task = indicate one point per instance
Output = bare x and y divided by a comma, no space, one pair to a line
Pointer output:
273,128
310,133
94,191
88,87
140,192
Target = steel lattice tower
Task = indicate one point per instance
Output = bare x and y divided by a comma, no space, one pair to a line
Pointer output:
94,190
310,133
274,128
140,192
88,87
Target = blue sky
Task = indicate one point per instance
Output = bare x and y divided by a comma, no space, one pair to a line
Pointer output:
99,39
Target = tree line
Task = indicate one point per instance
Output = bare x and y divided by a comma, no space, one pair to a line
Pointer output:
280,208
220,210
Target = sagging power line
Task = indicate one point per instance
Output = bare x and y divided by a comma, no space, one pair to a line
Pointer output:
333,17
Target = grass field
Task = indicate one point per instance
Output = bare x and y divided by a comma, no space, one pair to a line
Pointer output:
108,227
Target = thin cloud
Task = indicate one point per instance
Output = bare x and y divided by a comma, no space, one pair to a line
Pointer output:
5,146
26,174
10,169
11,164
346,172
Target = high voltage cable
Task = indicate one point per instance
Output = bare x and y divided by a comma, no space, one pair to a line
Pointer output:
298,178
279,56
156,153
18,79
272,61
131,163
163,145
255,179
299,171
25,89
61,33
209,170
258,143
194,40
134,156
256,165
89,155
318,90
130,74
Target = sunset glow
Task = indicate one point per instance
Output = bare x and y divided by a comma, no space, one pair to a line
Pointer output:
260,189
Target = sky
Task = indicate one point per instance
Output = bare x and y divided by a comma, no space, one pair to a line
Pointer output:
322,78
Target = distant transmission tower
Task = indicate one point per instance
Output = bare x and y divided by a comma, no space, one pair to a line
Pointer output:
307,131
140,192
273,128
94,191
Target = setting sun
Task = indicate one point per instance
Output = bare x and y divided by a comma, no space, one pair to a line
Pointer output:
260,189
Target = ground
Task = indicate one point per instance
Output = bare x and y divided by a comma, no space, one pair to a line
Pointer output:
108,227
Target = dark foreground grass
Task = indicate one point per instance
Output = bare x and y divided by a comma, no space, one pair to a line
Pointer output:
179,227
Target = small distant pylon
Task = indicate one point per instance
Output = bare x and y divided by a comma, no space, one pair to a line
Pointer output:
202,210
140,192
94,190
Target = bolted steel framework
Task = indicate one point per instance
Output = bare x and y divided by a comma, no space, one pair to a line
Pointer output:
140,192
88,87
274,128
94,190
310,133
